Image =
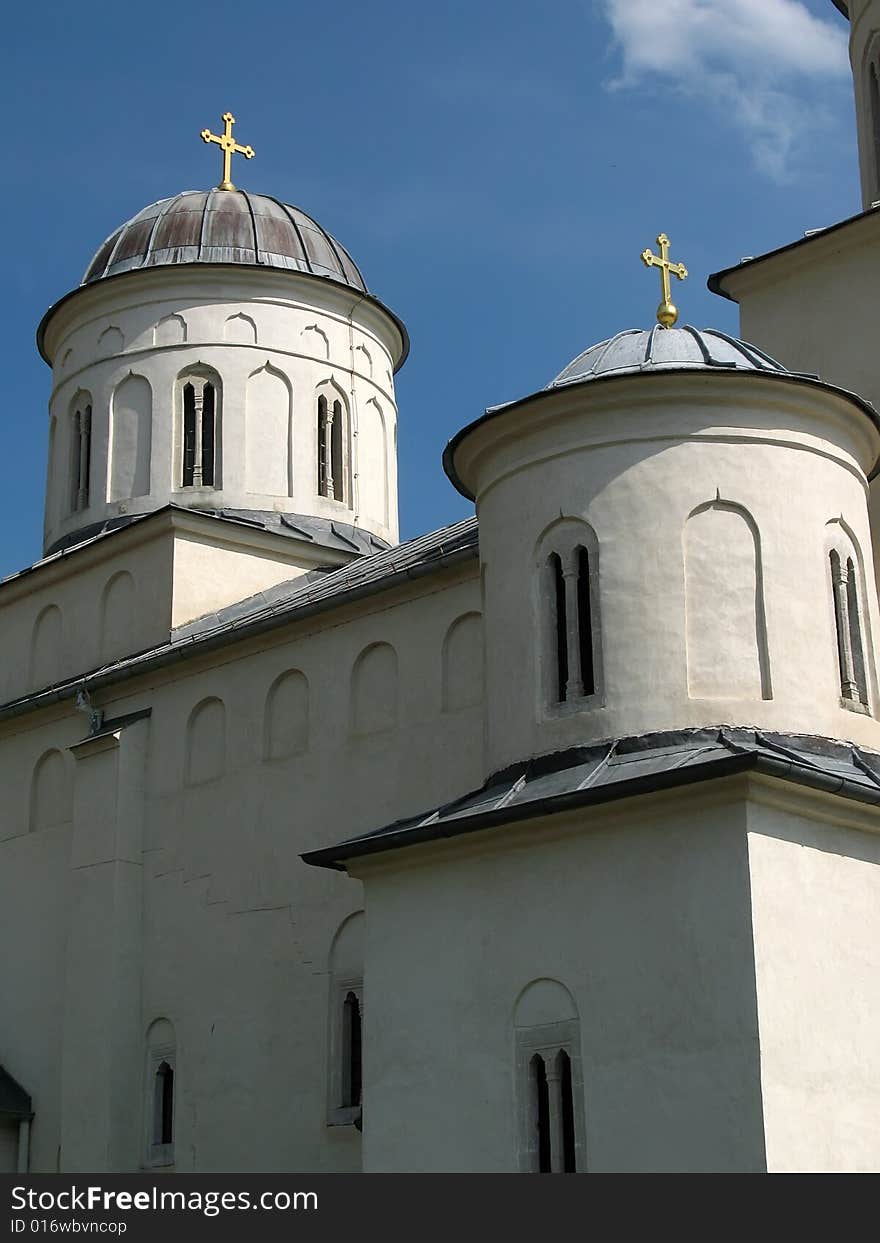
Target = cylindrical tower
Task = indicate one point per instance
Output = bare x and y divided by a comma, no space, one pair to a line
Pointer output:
674,534
864,54
222,353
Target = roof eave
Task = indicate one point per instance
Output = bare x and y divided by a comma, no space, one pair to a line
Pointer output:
336,857
357,295
715,283
545,393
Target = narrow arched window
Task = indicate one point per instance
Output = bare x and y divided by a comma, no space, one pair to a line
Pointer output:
572,630
541,1106
585,622
351,1050
80,454
331,448
550,1081
566,1112
163,1107
199,433
849,626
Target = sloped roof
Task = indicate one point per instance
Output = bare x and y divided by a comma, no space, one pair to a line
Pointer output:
311,593
587,776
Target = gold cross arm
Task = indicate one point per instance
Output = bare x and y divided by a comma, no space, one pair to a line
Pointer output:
667,313
229,147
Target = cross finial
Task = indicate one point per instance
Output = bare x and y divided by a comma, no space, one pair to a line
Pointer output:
667,313
229,147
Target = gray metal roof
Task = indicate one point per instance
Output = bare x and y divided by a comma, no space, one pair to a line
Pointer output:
14,1101
358,577
323,532
224,226
315,592
656,349
586,776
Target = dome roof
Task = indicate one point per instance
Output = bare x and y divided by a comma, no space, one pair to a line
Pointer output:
224,226
665,349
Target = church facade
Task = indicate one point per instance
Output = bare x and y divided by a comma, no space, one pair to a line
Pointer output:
545,842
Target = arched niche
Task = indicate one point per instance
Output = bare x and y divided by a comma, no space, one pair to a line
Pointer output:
286,723
46,651
315,341
363,360
131,431
544,1001
374,690
171,330
240,329
118,615
110,342
205,742
462,658
51,794
727,655
372,464
268,433
346,959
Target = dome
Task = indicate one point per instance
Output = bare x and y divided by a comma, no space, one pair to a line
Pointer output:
665,349
224,226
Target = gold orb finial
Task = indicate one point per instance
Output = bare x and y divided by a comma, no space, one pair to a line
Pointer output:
667,312
229,147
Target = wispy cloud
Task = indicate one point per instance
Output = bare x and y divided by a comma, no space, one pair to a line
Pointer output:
757,62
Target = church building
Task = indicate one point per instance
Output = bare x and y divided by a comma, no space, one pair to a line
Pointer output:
545,842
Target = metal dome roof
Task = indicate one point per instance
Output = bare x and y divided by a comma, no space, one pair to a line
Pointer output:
665,349
224,226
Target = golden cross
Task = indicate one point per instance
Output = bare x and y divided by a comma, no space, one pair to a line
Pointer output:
229,147
667,313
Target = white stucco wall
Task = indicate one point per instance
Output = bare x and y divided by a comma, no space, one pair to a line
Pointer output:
234,947
694,627
813,308
642,914
815,887
274,339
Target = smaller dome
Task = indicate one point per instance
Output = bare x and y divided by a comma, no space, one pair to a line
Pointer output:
665,349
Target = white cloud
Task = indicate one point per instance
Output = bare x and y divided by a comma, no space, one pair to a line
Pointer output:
758,62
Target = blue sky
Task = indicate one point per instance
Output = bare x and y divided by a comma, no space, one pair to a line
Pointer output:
495,168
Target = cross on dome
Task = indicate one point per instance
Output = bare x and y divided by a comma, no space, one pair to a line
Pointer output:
229,147
667,312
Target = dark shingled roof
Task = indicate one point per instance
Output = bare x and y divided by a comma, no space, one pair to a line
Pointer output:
14,1101
586,776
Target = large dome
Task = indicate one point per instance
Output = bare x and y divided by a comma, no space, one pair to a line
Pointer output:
224,226
665,349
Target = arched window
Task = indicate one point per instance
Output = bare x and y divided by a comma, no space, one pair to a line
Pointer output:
163,1104
332,452
568,603
550,1088
848,620
80,451
351,1050
199,431
159,1109
346,971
